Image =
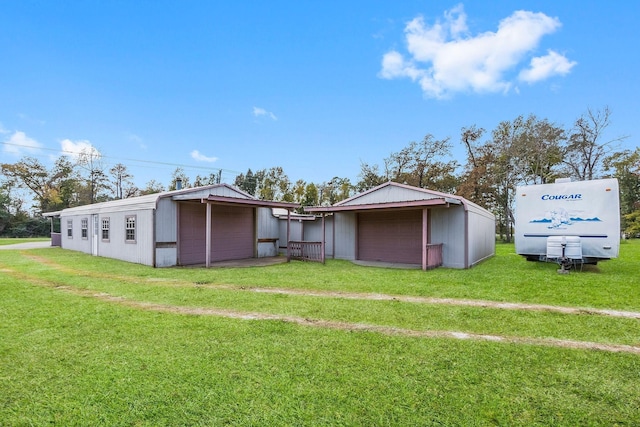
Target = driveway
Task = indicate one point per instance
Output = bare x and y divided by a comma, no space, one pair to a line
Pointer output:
27,245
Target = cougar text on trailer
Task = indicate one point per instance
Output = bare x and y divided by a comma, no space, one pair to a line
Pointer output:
568,222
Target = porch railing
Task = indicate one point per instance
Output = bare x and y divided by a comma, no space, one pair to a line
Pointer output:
434,256
306,251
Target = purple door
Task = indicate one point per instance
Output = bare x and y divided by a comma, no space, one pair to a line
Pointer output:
390,236
232,233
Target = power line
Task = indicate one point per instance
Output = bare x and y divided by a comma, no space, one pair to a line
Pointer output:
153,162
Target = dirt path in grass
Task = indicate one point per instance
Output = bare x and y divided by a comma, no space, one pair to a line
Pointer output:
359,327
434,300
360,295
321,323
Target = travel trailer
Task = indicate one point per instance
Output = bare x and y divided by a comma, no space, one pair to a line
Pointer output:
568,222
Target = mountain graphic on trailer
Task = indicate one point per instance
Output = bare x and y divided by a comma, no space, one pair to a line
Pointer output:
578,219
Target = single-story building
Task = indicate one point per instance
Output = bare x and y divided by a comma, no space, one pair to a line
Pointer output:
397,223
391,223
189,226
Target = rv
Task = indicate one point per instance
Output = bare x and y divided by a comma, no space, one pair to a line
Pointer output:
568,222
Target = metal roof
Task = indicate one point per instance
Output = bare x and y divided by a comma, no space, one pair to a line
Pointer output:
391,195
217,193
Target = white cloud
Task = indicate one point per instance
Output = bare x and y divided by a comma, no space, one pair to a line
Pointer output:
257,112
543,67
444,58
74,149
196,155
19,143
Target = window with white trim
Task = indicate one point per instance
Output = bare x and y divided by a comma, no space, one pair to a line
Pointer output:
70,228
105,229
84,227
130,228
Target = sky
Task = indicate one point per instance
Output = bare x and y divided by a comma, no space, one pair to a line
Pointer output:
315,87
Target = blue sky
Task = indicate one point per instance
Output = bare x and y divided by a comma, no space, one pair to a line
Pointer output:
316,87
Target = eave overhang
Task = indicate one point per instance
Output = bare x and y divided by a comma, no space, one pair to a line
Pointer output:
439,201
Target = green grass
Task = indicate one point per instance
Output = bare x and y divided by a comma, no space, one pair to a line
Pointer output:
67,358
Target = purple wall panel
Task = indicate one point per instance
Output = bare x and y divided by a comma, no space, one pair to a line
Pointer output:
390,236
232,233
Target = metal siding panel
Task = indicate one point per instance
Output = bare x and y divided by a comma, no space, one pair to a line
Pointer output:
140,252
482,238
166,221
390,194
345,244
268,227
447,227
390,236
77,243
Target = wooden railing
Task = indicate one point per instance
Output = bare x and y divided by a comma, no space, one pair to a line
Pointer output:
306,251
434,256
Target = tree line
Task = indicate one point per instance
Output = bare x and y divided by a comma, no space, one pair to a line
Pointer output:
525,150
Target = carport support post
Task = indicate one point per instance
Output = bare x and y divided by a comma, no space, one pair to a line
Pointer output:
323,239
288,234
425,237
208,237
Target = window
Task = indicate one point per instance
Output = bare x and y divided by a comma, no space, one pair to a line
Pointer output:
130,228
70,228
105,229
84,225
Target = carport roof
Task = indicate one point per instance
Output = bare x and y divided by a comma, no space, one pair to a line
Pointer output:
225,200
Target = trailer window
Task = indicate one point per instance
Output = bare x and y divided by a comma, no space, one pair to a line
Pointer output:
70,228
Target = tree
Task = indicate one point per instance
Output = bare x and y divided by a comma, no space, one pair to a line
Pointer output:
152,187
476,184
540,150
179,175
422,165
369,177
585,153
247,183
625,166
96,180
122,181
53,189
212,179
273,184
311,196
334,190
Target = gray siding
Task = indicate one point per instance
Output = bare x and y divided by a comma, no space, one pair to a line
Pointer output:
391,193
140,251
482,239
76,242
448,227
345,235
268,229
166,221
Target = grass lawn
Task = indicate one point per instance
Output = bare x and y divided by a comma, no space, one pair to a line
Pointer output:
94,341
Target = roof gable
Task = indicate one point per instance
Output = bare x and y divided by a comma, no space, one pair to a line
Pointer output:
393,192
